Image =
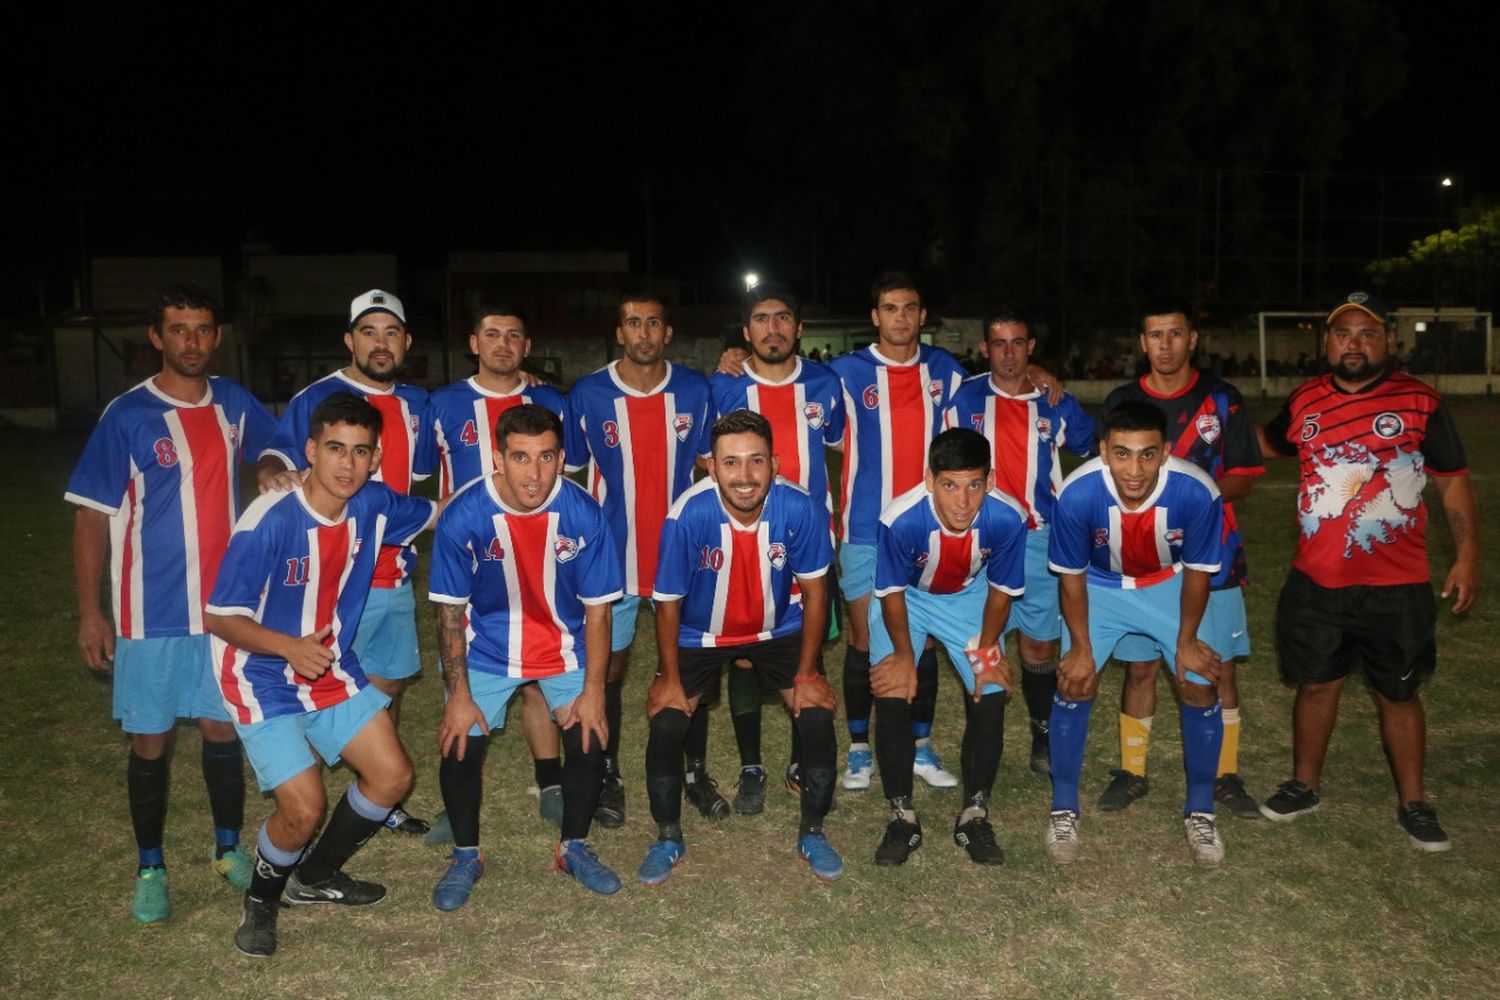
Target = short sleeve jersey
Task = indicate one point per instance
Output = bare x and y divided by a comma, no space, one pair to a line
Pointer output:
916,550
525,575
806,414
1025,433
462,418
892,412
640,449
1177,526
166,472
405,454
1364,458
735,580
292,570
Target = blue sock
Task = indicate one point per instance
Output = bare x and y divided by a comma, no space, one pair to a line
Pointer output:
859,730
225,840
365,807
1067,735
1202,736
921,730
151,857
465,853
275,855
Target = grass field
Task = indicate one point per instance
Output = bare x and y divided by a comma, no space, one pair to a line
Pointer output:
1336,904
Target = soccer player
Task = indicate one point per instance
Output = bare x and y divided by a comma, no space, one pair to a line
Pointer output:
1358,592
640,425
284,614
523,574
803,402
730,549
951,556
157,489
1026,430
377,340
1136,537
462,417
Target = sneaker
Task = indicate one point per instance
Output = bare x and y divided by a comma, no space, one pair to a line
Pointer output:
457,884
928,766
549,804
1230,790
861,768
750,800
1124,788
978,838
661,857
1061,840
401,821
256,935
577,858
1291,800
793,778
610,812
337,888
820,856
901,838
1204,840
150,904
1420,822
441,834
235,867
703,792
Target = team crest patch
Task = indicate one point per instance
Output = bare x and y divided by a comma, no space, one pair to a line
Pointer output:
920,561
682,425
1208,427
1388,425
234,435
416,424
984,555
1043,426
1174,536
1101,538
935,390
777,554
565,548
814,414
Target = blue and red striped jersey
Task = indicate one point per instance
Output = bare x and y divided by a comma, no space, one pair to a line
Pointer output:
917,551
462,419
806,414
167,474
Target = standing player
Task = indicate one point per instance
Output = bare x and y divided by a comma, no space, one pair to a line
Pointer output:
952,555
1136,537
640,424
378,340
730,549
1025,430
803,402
523,573
462,417
1208,425
1359,591
284,614
156,489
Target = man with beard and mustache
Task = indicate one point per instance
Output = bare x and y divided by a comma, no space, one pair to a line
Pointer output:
640,426
1359,592
378,340
156,489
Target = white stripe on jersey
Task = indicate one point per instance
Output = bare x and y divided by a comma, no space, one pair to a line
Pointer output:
627,483
486,435
123,542
723,577
549,590
241,656
851,462
513,590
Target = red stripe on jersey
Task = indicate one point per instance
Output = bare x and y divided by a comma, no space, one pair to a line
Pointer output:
541,639
127,565
229,686
744,603
492,409
909,407
395,442
653,478
954,558
205,438
1139,556
1010,427
333,558
845,469
778,404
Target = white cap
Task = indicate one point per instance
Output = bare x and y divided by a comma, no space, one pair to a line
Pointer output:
376,301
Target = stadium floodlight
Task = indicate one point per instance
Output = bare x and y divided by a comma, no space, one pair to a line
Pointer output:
1447,182
751,280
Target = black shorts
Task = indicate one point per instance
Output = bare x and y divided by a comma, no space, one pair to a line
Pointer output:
1322,632
775,662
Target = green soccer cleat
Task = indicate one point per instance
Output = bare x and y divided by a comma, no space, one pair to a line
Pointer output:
235,867
151,905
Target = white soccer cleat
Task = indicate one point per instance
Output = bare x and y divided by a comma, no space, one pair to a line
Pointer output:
861,768
1061,840
928,766
1204,840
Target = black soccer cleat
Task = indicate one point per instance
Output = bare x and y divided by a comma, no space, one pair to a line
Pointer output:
902,836
703,792
1420,822
978,838
338,888
1123,789
256,935
1230,790
610,812
401,821
750,800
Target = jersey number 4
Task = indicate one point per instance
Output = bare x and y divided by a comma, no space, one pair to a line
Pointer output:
469,435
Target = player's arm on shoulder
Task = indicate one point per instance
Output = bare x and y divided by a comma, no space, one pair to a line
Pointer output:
732,361
272,475
1461,508
96,636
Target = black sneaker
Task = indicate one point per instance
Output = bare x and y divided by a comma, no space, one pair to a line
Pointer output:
610,812
1420,822
401,821
750,800
256,936
978,838
1230,790
1041,753
337,888
703,792
902,836
1291,800
1123,789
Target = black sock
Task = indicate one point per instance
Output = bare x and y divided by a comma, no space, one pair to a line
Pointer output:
820,761
462,785
345,833
612,711
549,770
796,744
146,786
667,731
695,747
984,741
857,694
1038,685
744,712
273,867
224,774
924,705
582,777
895,749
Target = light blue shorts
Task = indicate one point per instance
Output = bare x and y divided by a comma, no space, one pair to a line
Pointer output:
492,693
386,642
1223,627
282,747
1152,613
856,571
158,681
951,619
623,615
1036,614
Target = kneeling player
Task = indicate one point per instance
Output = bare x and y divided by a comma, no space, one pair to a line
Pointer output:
1136,536
283,614
951,553
730,549
529,555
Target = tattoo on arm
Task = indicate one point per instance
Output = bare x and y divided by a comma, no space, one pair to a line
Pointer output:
453,645
1458,525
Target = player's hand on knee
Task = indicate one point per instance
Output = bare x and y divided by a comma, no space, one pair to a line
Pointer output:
1076,674
587,710
989,666
814,692
732,361
460,714
1198,657
895,676
310,655
97,641
666,694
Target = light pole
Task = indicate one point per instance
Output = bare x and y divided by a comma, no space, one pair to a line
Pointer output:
751,280
1443,186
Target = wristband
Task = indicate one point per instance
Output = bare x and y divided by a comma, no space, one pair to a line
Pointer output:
799,679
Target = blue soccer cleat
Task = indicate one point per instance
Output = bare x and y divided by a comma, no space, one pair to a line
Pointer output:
457,884
661,858
820,856
577,858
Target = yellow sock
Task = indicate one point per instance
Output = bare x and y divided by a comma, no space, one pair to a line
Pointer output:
1229,754
1135,741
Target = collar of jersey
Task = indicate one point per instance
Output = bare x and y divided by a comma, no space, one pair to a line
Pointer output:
796,374
614,376
916,360
474,384
939,518
368,390
489,485
1384,378
1171,395
734,523
302,499
207,400
990,379
1151,498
